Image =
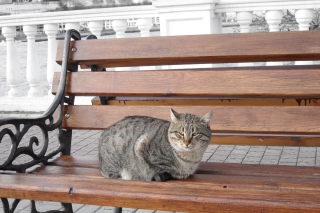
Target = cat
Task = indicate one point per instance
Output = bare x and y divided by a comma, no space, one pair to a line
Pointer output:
151,149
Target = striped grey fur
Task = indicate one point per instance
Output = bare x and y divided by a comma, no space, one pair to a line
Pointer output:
146,148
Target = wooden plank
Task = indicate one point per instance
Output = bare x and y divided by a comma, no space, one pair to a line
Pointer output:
214,179
166,50
214,168
249,119
265,140
269,82
167,101
68,170
168,196
234,139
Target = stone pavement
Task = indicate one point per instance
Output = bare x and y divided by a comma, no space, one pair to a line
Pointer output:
85,143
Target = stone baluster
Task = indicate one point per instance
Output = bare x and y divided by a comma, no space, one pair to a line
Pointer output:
72,25
13,69
120,26
144,25
52,66
244,19
274,18
33,68
95,27
304,17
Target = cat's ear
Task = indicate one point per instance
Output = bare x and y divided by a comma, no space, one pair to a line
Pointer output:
207,117
174,115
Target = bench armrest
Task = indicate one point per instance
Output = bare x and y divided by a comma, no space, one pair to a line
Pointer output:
17,128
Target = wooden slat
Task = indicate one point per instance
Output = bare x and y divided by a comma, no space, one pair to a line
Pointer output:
285,82
168,196
68,170
233,179
265,140
280,46
212,168
166,101
245,119
286,178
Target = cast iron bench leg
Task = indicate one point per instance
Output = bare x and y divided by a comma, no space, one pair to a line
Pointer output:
117,210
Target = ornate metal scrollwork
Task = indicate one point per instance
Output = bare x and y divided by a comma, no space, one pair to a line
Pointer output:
45,122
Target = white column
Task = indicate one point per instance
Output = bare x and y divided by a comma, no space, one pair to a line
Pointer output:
244,19
273,18
73,25
304,17
187,17
190,17
95,27
52,66
144,25
13,68
33,69
120,26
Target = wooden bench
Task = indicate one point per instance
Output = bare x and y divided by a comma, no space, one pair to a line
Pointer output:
256,105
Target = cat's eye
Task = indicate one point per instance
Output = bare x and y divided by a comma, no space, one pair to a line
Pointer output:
194,135
178,135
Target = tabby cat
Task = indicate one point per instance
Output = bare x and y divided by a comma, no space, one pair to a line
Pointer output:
146,148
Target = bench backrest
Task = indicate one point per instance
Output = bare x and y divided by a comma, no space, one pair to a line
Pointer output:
266,105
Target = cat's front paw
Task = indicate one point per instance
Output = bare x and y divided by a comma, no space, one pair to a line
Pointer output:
162,177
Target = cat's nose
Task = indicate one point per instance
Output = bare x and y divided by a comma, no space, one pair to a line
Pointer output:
187,142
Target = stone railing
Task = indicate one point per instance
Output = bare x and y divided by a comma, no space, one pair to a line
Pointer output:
25,89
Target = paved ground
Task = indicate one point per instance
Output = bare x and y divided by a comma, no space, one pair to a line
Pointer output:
85,143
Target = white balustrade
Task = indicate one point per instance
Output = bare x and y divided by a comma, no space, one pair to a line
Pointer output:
144,25
274,18
304,17
244,18
51,31
72,25
95,27
120,26
33,69
177,17
13,68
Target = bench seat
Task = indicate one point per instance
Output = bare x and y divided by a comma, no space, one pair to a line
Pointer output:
265,106
215,187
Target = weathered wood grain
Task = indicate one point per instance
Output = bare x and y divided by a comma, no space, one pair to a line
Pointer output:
174,101
216,187
213,168
237,119
216,48
269,82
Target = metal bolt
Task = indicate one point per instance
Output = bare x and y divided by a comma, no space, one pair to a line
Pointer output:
67,115
74,49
